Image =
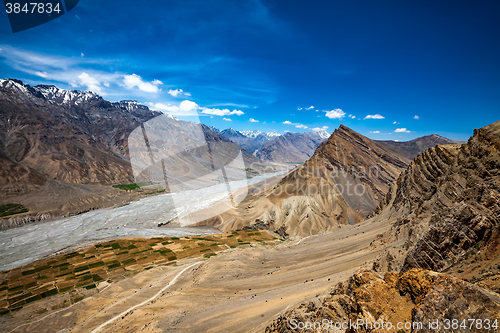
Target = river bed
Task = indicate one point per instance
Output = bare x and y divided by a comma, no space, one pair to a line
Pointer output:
23,245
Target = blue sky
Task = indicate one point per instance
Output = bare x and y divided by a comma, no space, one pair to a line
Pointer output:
388,69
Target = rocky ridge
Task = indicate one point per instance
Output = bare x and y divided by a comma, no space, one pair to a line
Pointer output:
446,206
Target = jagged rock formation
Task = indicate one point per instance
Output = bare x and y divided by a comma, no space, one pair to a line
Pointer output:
416,296
341,183
446,207
411,149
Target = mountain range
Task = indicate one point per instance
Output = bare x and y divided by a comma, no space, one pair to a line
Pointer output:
420,218
274,147
54,140
299,147
61,150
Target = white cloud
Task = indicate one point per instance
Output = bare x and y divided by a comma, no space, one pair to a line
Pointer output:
188,106
134,80
185,108
253,120
416,117
226,119
394,123
317,129
374,116
335,114
219,112
401,130
375,132
299,108
310,108
91,82
42,74
297,125
178,92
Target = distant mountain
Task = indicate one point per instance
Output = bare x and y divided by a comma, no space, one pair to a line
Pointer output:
241,140
291,147
249,140
274,147
251,134
215,129
411,149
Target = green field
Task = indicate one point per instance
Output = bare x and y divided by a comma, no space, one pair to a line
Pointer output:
127,186
12,209
107,261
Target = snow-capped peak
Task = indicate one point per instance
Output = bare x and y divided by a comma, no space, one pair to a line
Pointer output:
271,135
251,134
323,134
65,97
14,84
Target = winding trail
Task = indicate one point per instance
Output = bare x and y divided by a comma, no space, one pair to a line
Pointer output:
97,329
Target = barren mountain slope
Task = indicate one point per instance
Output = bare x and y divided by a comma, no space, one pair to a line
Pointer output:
66,135
342,182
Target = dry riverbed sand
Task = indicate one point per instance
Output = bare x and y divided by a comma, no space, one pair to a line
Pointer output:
239,290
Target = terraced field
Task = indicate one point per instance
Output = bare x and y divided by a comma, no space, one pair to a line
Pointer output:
104,262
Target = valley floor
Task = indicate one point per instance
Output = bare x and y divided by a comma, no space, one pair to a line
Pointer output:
240,290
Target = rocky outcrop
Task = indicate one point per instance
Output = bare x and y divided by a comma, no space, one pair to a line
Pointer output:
417,298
